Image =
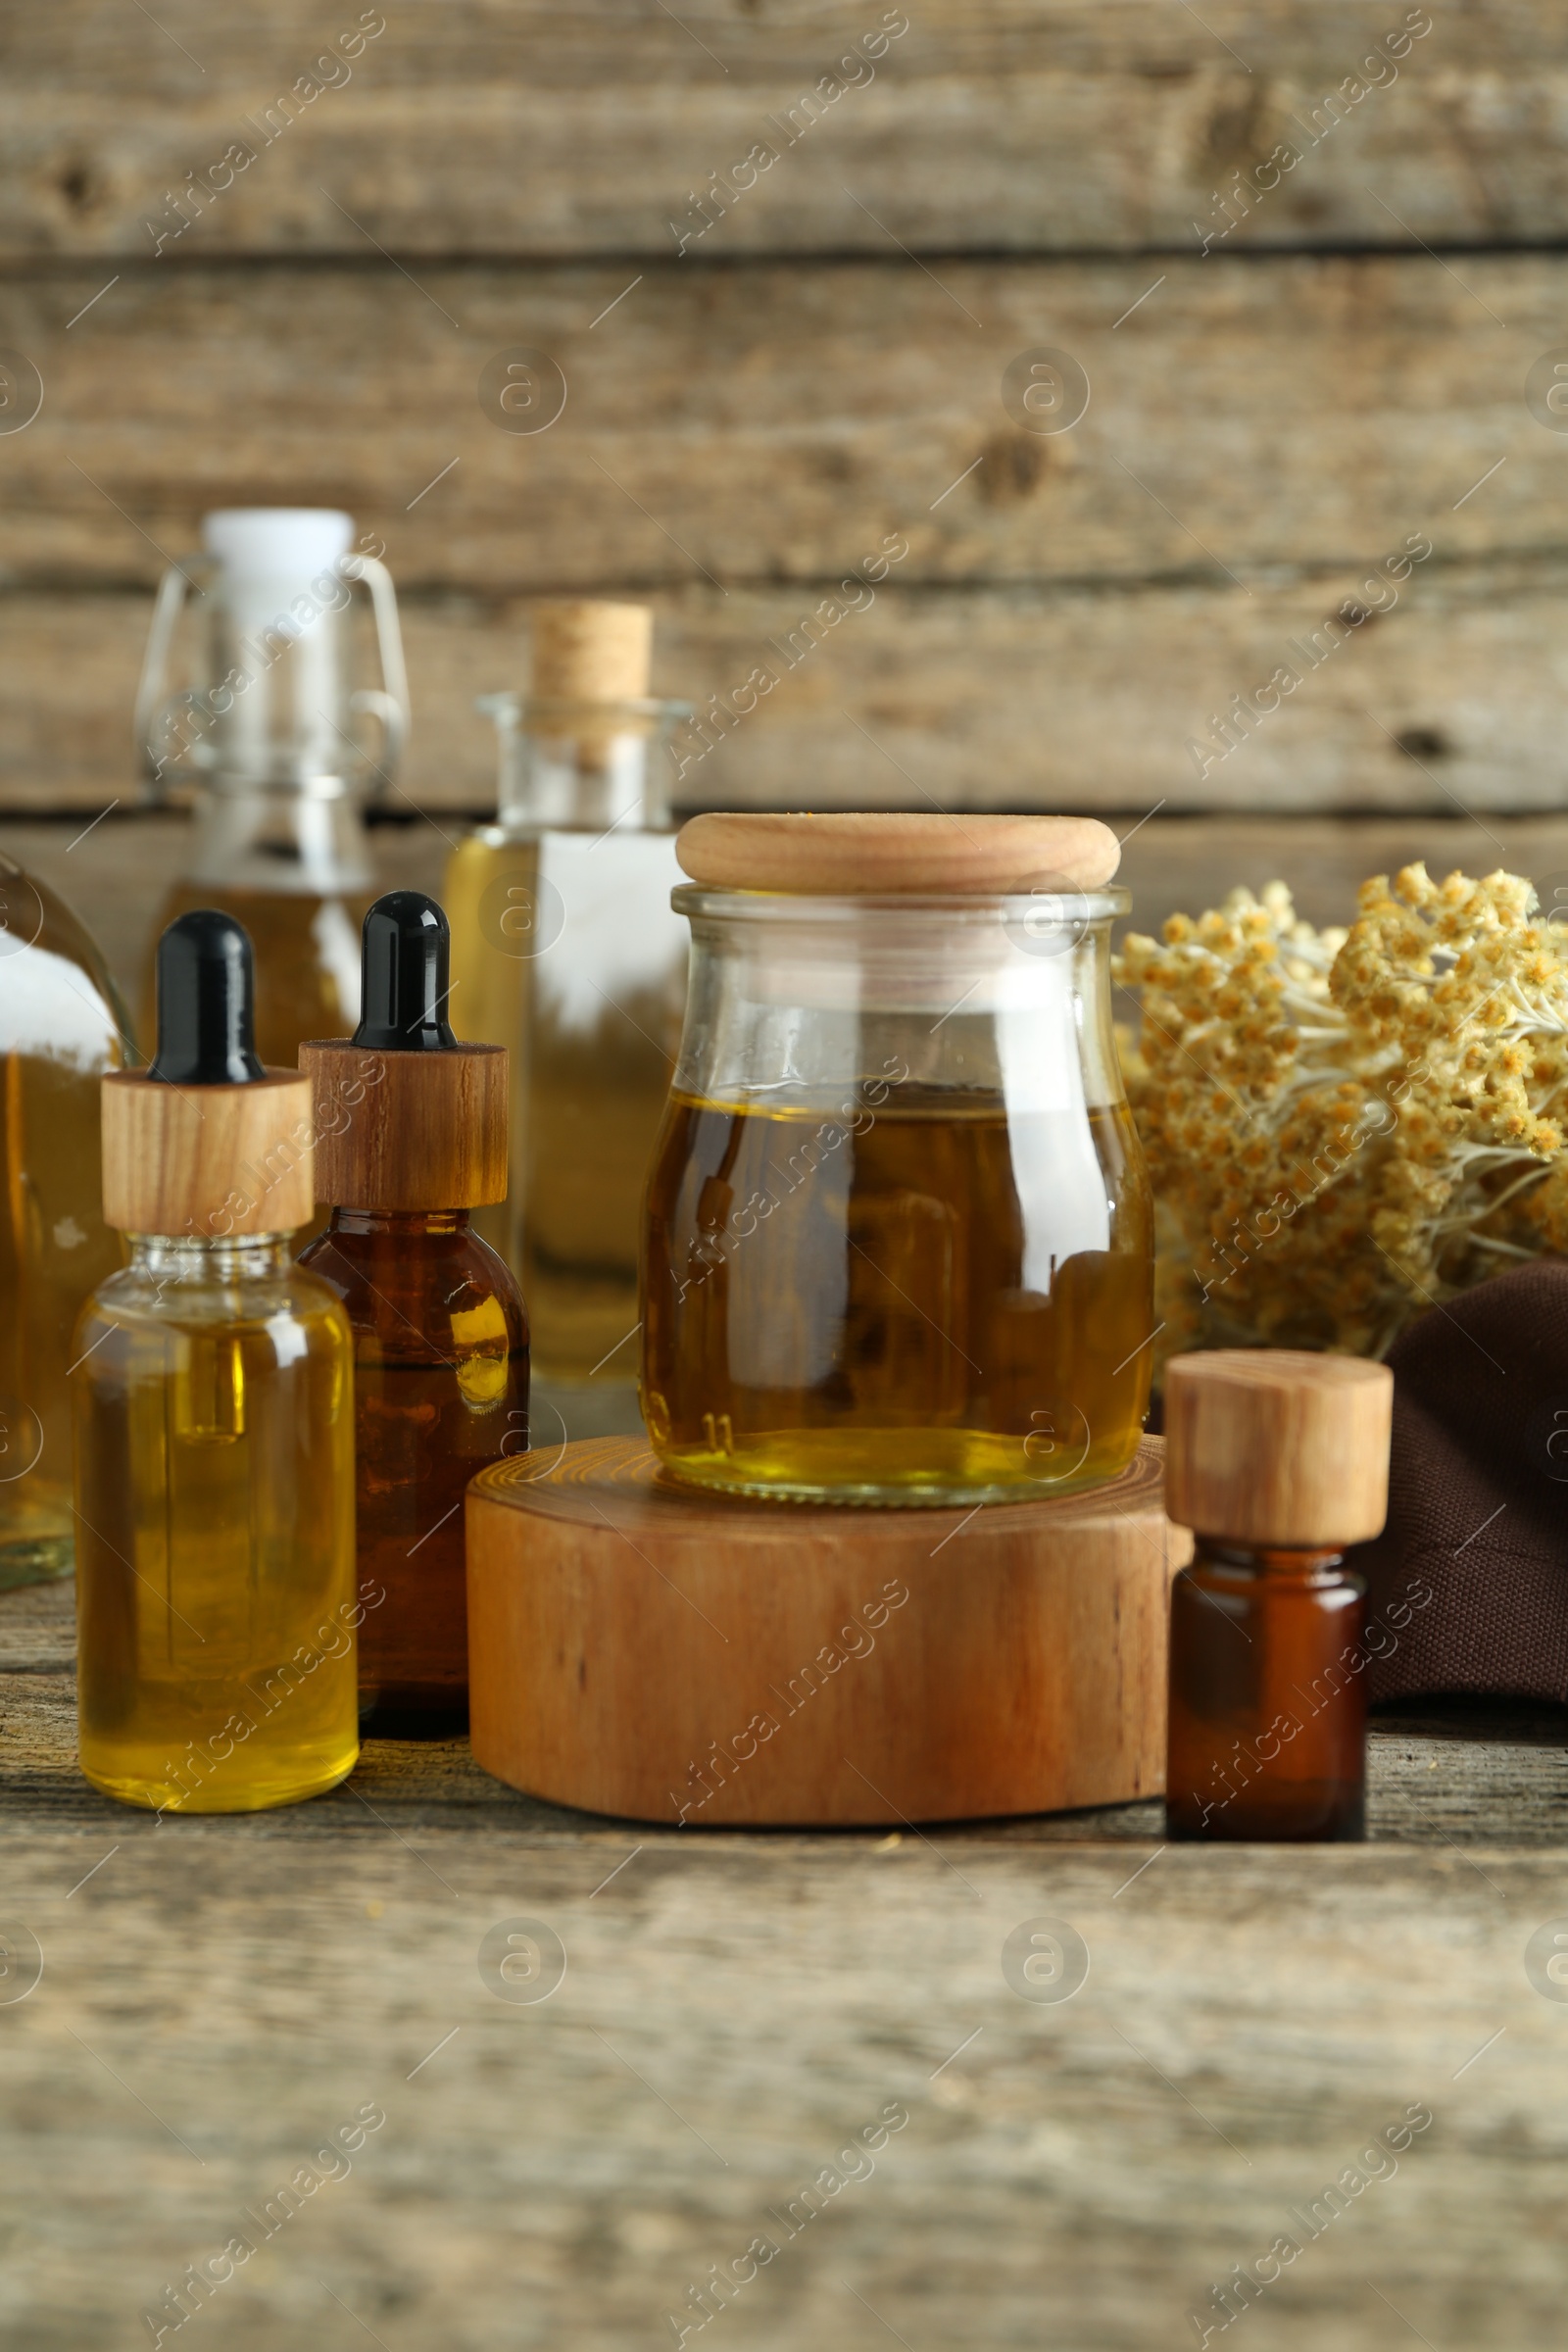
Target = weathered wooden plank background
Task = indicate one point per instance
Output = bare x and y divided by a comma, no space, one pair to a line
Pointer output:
513,126
1269,418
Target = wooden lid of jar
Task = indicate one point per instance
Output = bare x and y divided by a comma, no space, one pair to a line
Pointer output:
407,1132
871,852
1277,1448
207,1161
585,651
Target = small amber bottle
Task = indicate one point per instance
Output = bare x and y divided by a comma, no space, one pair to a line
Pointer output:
411,1135
1277,1460
216,1612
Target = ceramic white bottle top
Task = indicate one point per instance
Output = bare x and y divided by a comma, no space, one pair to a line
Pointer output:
270,555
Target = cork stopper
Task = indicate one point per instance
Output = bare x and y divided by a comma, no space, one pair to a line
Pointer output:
591,653
407,1119
1271,1446
207,1143
867,854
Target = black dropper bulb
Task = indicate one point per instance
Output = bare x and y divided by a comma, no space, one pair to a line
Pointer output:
408,952
206,1003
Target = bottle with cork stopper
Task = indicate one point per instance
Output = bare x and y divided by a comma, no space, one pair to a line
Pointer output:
214,1427
1277,1460
411,1138
567,951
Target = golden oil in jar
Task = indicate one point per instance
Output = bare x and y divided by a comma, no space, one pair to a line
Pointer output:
934,1300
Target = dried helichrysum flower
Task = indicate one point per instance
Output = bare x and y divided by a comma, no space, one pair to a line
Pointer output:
1346,1127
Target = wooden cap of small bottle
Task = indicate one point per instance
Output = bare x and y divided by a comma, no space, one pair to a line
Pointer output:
407,1132
845,853
207,1161
1271,1446
585,651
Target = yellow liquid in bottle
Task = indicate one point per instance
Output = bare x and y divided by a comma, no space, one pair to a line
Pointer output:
952,1305
54,1248
59,1031
490,894
307,963
592,1025
214,1545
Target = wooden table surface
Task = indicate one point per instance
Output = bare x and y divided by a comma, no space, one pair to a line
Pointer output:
220,1997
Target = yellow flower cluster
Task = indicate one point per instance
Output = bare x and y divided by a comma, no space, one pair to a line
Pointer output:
1345,1128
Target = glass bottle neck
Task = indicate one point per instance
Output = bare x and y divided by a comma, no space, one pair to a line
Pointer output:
1282,1559
181,1257
825,1003
281,702
295,838
580,768
399,1224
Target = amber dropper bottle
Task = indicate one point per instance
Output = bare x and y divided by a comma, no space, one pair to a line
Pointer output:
412,1135
1276,1461
214,1425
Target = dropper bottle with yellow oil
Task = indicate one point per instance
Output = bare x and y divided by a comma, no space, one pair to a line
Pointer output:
412,1137
214,1425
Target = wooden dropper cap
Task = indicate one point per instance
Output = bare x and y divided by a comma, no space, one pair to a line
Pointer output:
207,1144
1275,1447
407,1119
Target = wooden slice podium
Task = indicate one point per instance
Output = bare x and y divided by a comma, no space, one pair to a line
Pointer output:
640,1649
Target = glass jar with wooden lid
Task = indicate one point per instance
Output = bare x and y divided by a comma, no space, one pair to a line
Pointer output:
898,1241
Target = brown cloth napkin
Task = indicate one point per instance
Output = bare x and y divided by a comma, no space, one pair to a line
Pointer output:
1468,1584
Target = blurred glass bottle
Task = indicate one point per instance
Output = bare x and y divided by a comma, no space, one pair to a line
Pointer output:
566,950
62,1026
264,732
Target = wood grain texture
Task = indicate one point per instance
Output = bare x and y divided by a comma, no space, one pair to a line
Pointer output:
1269,1446
770,425
399,1132
253,1983
228,1161
1061,630
779,422
637,1649
1249,2020
1058,699
1189,864
115,877
536,129
1463,1772
857,852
